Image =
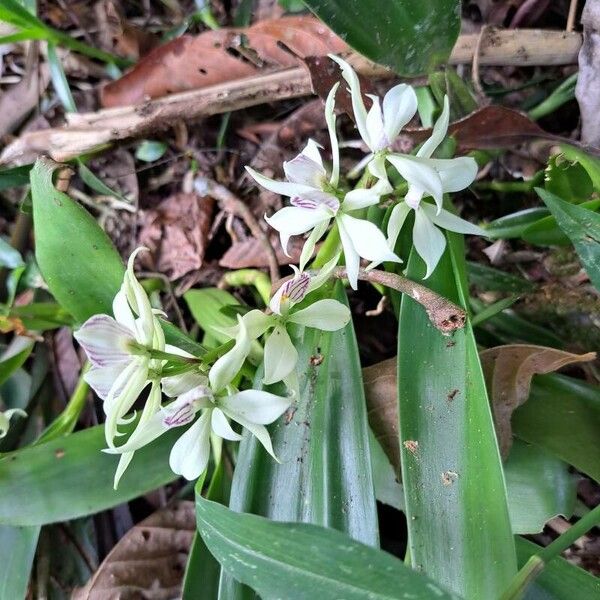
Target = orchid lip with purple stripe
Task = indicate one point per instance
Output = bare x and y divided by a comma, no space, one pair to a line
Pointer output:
295,289
182,416
312,204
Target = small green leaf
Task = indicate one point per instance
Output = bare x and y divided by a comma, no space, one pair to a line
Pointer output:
59,80
77,259
568,179
15,177
582,226
410,37
70,477
513,225
304,562
9,365
492,310
95,183
150,150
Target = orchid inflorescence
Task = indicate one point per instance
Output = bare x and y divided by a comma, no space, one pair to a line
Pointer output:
128,353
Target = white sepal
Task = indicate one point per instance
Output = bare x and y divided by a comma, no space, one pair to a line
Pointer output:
429,241
228,366
220,425
327,315
191,452
283,188
395,223
254,406
446,220
280,356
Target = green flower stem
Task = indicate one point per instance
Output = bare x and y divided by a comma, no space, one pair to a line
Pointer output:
328,249
247,277
66,421
212,355
535,565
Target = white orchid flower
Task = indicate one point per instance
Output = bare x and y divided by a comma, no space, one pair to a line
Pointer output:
252,409
5,418
280,356
431,177
380,126
115,348
315,203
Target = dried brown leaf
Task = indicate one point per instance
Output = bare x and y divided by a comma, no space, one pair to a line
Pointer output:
149,561
382,405
508,373
214,57
251,253
176,232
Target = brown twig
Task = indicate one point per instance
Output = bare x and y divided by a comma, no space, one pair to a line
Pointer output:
232,204
88,132
571,16
475,76
443,314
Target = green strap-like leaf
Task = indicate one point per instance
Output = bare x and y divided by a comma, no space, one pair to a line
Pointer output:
17,549
81,266
410,37
582,226
71,477
305,562
451,470
325,474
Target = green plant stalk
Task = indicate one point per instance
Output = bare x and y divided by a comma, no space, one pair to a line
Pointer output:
328,248
536,564
562,94
66,421
246,277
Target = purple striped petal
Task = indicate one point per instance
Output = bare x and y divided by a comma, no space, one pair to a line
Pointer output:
105,341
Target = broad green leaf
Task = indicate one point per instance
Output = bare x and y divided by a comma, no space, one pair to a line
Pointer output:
562,415
410,37
539,487
205,305
70,477
17,549
40,316
77,259
582,226
325,474
305,562
568,179
452,475
560,579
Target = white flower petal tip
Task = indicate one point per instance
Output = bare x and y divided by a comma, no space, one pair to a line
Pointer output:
254,406
327,315
5,418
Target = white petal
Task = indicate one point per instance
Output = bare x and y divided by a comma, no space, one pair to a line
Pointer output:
293,220
190,453
105,341
360,198
316,281
220,425
175,385
327,315
399,107
358,106
438,134
429,241
311,150
280,355
456,173
138,299
367,239
122,310
254,406
278,187
418,172
183,410
259,431
151,430
101,379
305,171
451,222
256,323
309,245
375,126
228,366
330,119
395,223
5,418
351,256
377,168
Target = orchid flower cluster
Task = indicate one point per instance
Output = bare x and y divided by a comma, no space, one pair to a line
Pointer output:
200,395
